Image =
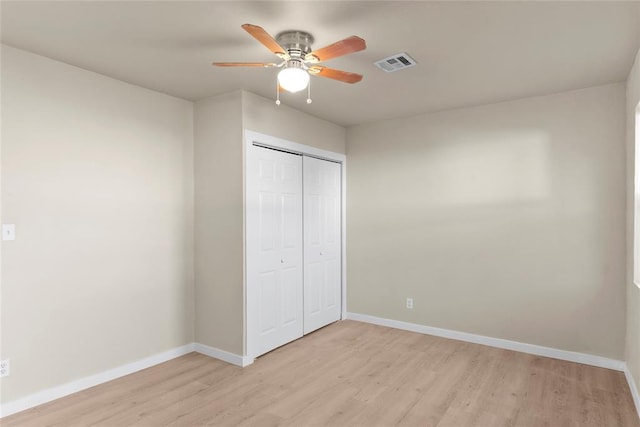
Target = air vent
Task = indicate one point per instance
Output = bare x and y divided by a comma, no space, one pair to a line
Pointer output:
396,62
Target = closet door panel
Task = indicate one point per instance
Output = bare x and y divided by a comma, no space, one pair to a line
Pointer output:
274,249
322,248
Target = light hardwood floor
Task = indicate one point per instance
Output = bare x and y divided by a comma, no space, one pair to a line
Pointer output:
354,374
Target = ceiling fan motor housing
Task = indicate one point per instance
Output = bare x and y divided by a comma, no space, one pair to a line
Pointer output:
297,43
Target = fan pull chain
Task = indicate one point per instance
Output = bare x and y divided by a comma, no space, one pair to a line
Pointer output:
309,92
277,93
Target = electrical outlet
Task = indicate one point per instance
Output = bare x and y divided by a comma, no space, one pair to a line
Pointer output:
8,232
410,303
4,368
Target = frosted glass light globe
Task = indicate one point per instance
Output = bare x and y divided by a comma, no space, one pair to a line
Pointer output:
293,79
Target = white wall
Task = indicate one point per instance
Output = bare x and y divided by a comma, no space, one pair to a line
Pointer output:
501,220
633,292
97,175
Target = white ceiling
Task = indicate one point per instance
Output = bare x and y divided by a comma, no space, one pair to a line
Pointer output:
468,53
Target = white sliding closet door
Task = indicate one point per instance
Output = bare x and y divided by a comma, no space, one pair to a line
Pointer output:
322,243
274,249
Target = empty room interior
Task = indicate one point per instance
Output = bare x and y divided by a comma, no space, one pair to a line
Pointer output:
345,213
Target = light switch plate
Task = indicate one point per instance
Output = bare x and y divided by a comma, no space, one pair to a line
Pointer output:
8,232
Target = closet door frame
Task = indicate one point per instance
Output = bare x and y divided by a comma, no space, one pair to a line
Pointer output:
255,138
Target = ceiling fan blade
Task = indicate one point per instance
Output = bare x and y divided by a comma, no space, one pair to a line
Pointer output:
343,47
244,64
265,38
332,73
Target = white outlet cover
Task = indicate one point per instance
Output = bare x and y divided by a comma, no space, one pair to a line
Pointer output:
4,368
8,232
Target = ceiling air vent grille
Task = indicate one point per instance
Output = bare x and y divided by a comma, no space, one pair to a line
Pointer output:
396,62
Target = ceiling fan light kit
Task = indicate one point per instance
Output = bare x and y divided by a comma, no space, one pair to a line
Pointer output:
293,77
299,60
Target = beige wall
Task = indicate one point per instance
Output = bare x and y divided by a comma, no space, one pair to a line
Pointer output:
97,177
264,116
501,220
218,222
633,293
219,232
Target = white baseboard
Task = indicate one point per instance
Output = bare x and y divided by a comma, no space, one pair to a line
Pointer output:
225,356
586,359
571,356
634,389
57,392
75,386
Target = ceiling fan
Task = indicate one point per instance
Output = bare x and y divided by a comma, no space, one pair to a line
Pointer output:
298,61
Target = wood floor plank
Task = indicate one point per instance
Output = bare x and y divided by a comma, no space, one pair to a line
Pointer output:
354,374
